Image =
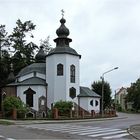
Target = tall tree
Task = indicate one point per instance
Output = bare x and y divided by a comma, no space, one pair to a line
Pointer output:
4,40
97,87
4,55
46,45
134,95
24,52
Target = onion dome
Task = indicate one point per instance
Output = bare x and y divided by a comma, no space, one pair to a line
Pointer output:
62,41
62,31
40,56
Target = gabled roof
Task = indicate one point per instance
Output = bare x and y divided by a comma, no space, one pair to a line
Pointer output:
30,81
87,92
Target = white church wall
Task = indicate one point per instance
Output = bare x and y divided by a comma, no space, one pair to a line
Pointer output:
40,91
50,70
58,86
72,60
85,104
27,76
60,81
95,107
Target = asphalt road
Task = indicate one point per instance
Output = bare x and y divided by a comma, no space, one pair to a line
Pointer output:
107,129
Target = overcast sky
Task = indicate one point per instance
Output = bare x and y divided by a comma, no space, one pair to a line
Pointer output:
105,32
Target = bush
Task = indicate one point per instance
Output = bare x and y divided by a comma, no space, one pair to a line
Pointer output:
64,107
11,103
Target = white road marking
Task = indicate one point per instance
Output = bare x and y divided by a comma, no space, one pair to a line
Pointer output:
103,134
100,131
10,139
116,136
89,131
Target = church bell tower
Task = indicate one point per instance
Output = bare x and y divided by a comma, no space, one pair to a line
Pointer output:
62,68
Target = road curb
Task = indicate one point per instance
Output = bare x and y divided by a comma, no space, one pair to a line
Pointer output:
63,121
132,133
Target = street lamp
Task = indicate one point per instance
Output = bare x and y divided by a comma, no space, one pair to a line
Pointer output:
3,94
102,77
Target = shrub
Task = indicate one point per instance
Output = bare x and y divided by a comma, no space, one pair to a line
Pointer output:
11,103
64,107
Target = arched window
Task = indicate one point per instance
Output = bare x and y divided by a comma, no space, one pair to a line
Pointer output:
59,69
29,97
42,102
72,92
72,74
91,102
96,103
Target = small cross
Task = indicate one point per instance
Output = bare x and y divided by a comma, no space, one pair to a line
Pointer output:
62,13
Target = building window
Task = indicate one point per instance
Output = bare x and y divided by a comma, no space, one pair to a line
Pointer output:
72,92
29,97
59,69
91,102
96,103
42,102
72,74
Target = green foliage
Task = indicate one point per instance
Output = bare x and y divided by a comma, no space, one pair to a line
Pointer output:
15,44
46,45
134,95
4,68
64,107
4,40
97,87
119,108
6,122
23,51
11,103
4,56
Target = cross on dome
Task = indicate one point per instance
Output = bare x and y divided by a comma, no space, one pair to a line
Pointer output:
62,13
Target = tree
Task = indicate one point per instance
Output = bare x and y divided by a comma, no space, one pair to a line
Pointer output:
97,87
46,45
11,103
4,40
4,56
134,95
4,68
23,51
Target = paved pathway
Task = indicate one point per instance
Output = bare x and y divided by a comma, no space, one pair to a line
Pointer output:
135,131
86,131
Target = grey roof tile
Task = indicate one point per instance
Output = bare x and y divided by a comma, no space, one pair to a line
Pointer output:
30,81
87,92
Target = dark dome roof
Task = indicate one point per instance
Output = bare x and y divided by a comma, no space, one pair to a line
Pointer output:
63,50
37,67
40,56
62,30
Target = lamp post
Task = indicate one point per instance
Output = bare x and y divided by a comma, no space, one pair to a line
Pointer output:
102,77
3,94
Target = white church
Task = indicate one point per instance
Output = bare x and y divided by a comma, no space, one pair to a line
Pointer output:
54,77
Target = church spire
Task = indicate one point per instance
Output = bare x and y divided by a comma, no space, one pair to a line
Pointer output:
40,56
62,41
62,33
11,76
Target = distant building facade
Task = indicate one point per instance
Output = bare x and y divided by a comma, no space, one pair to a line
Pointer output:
120,98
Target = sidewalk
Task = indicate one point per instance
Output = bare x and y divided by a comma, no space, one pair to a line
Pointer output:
134,130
